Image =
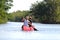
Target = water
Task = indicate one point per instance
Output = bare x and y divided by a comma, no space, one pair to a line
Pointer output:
12,31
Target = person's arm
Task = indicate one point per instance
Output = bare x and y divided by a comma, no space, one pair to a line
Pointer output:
23,19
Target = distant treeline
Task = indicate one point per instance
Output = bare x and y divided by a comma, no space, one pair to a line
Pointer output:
47,11
19,15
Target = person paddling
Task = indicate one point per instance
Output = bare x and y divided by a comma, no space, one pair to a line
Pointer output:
27,26
31,26
25,20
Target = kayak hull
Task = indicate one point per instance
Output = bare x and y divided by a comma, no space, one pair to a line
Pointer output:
25,28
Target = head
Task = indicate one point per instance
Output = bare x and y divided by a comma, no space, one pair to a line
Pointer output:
30,17
27,17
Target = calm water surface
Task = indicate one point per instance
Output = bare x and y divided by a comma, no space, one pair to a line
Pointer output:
12,31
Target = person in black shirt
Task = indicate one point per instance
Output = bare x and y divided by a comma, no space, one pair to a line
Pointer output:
30,25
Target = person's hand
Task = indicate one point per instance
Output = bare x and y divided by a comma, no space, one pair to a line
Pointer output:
23,19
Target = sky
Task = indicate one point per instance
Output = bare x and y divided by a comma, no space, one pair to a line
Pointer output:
21,5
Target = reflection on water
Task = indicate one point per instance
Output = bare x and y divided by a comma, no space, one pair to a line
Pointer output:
12,31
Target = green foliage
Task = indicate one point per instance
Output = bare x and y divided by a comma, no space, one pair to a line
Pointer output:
17,16
5,5
47,11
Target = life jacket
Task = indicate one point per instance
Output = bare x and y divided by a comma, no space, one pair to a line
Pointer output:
27,28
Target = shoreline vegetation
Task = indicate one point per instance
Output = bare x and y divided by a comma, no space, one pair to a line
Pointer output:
45,12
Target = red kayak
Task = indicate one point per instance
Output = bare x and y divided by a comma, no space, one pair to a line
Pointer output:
25,28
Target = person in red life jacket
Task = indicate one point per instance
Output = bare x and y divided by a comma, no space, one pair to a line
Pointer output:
25,26
30,27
